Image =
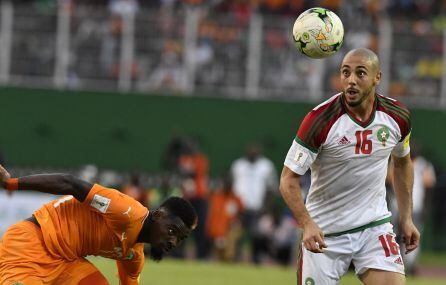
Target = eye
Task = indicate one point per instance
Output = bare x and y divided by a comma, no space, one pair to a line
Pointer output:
171,231
345,73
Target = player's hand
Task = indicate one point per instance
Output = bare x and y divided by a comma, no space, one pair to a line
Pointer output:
4,175
313,238
410,235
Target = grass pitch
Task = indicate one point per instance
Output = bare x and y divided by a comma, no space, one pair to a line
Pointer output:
171,272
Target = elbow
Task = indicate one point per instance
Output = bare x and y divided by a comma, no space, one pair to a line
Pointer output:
283,186
67,181
69,184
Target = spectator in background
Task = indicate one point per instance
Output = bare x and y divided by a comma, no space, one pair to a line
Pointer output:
223,225
136,191
253,175
89,173
424,179
123,7
194,168
169,73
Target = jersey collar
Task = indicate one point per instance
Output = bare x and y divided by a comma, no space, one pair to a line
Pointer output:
352,116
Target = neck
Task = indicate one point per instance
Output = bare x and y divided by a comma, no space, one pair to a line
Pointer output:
143,236
363,111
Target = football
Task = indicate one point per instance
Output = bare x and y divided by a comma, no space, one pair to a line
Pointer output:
318,33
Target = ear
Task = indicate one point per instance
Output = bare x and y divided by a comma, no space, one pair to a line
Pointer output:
159,213
377,78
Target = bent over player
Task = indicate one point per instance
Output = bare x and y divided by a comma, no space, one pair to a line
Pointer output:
50,247
347,141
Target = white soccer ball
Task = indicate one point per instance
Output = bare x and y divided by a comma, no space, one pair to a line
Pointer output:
318,33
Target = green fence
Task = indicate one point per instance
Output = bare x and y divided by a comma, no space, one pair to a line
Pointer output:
129,131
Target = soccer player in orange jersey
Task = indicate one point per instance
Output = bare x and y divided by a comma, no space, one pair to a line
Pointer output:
50,247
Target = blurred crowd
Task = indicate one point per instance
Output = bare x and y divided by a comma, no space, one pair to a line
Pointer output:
405,8
165,59
242,217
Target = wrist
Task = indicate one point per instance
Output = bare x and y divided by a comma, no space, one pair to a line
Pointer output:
305,221
12,184
405,219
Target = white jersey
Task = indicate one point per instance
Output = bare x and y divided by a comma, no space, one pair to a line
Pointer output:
348,161
420,167
252,180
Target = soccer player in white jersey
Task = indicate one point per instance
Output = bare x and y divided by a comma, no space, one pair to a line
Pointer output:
347,141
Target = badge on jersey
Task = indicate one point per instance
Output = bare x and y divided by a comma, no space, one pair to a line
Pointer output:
300,157
309,281
383,135
100,203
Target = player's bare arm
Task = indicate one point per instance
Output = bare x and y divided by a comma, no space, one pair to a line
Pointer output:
58,184
313,238
403,185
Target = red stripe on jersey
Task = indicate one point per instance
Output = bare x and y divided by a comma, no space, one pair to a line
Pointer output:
317,123
397,111
301,265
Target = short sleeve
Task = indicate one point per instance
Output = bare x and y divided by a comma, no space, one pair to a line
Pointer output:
299,158
117,208
402,148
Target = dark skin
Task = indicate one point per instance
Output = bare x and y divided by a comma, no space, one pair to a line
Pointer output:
161,230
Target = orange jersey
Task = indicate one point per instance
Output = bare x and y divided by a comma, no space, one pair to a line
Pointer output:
223,211
106,224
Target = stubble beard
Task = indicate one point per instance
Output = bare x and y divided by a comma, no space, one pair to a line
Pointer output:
156,254
362,97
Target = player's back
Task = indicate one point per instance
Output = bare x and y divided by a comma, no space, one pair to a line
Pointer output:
107,224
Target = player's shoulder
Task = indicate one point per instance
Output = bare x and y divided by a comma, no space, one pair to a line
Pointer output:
326,110
392,106
396,110
333,101
318,122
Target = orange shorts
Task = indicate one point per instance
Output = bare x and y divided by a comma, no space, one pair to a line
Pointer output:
25,260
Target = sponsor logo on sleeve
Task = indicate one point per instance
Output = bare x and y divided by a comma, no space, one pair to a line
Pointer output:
300,157
100,203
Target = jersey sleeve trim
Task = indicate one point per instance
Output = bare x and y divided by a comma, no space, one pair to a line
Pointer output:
304,144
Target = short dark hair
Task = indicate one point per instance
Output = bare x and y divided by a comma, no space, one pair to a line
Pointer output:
183,209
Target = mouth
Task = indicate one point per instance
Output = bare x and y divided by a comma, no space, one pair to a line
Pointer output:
352,92
167,248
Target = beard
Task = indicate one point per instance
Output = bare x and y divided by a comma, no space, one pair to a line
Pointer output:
362,96
156,254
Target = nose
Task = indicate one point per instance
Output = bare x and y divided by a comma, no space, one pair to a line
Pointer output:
351,79
173,242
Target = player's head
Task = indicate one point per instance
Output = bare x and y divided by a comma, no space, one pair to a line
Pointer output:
360,74
168,226
253,151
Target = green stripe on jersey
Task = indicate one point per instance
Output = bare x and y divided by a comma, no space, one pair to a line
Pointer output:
397,110
321,120
404,114
361,228
304,144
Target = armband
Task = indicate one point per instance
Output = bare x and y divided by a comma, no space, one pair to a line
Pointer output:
12,184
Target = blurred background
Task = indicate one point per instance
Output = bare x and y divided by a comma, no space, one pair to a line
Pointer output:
202,99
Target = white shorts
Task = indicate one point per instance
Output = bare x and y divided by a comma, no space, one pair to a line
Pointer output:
373,247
